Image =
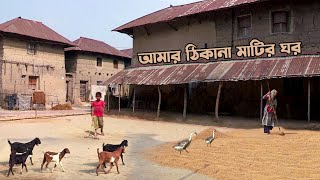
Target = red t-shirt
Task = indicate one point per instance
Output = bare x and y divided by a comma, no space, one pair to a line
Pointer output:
98,107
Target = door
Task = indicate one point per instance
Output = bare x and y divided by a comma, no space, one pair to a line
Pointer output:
83,90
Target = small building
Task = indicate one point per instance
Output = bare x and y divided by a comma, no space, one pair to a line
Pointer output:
32,58
91,62
196,86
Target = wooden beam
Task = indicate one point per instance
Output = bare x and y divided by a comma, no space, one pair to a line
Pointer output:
261,102
309,93
170,25
217,101
159,102
119,97
185,102
134,99
147,31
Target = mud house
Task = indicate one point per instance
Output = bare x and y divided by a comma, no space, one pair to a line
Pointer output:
32,58
227,85
91,62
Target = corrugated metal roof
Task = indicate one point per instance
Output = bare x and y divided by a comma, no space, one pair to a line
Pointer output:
174,12
33,29
128,52
92,45
298,66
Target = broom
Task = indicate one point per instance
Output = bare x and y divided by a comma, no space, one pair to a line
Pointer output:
281,133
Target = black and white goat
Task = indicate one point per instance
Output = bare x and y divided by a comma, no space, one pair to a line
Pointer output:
18,159
112,148
54,157
18,147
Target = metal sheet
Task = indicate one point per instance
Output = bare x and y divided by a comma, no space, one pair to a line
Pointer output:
174,12
92,45
241,70
33,29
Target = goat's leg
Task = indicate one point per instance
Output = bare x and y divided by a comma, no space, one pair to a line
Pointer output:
25,165
21,168
10,170
31,160
98,169
104,170
44,161
110,168
60,163
117,167
122,159
187,151
104,165
55,165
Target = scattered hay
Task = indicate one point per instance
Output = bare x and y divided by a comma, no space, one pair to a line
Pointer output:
62,107
244,154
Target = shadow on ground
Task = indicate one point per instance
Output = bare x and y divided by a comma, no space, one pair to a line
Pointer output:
210,120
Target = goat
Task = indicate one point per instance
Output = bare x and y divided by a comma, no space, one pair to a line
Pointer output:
54,157
23,147
110,157
18,159
112,148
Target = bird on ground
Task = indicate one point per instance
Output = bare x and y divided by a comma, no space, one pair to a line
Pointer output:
210,138
182,145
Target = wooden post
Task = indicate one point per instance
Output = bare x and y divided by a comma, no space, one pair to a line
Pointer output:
309,92
261,102
15,84
134,99
108,100
36,109
119,97
185,102
159,102
217,101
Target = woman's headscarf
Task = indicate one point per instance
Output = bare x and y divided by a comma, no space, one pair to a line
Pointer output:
273,93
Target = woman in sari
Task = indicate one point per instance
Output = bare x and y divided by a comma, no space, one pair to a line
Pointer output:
269,111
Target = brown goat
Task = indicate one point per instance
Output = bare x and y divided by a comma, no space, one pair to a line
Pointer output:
55,157
109,157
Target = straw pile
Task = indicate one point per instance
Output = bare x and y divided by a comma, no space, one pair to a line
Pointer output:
247,154
62,107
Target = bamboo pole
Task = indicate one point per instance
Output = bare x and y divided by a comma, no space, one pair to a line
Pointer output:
309,92
217,101
185,102
159,102
134,99
261,102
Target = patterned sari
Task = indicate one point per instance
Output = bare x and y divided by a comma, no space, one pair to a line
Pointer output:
269,111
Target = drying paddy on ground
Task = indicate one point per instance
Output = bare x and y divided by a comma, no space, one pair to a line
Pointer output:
247,154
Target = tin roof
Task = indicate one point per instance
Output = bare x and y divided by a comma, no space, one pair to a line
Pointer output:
128,52
92,45
33,29
173,12
243,70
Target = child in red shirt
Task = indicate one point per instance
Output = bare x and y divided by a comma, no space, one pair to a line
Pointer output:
98,111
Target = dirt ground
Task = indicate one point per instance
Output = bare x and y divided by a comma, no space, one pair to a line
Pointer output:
59,133
248,154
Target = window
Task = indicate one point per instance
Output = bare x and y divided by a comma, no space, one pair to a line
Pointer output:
99,83
99,62
31,48
244,26
280,21
33,82
115,64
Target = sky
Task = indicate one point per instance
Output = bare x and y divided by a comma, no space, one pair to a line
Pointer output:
86,18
